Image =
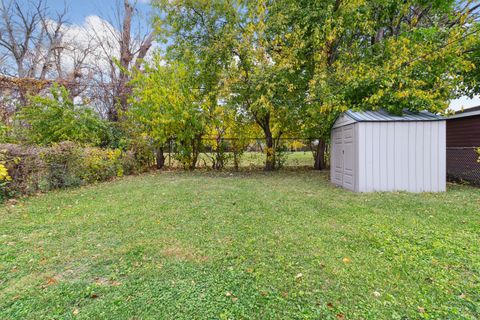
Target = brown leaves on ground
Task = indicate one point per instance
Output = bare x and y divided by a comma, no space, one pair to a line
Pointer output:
181,253
106,282
49,282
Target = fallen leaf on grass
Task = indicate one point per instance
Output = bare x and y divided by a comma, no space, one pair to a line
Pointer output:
346,260
340,316
51,281
330,305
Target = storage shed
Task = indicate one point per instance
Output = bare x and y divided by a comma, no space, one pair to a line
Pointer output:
378,151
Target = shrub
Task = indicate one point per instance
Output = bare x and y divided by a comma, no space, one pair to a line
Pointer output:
25,167
129,164
64,165
55,119
4,180
101,164
27,170
143,154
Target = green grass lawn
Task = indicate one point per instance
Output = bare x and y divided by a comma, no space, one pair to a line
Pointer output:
251,245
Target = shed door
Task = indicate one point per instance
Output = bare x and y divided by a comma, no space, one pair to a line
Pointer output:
337,157
343,157
348,153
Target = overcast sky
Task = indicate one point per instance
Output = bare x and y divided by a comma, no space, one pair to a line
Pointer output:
79,10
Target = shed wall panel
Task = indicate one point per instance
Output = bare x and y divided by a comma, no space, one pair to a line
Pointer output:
368,156
412,132
383,157
442,157
362,146
401,156
434,154
357,167
390,156
419,157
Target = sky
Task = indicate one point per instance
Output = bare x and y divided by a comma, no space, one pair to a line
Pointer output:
79,10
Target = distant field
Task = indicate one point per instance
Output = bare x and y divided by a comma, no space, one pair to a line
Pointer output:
248,245
254,159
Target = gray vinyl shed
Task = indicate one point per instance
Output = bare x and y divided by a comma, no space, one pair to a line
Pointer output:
376,151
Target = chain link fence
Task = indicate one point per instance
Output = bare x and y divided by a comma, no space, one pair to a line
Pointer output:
245,153
463,165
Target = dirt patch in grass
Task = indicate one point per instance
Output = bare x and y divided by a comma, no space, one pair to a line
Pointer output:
179,252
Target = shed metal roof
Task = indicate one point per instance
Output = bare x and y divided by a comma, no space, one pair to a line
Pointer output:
384,116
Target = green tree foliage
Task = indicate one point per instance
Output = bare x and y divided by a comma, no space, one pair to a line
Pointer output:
164,107
229,47
55,118
376,54
471,78
292,66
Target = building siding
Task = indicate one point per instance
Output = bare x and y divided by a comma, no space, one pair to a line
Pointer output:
463,132
463,135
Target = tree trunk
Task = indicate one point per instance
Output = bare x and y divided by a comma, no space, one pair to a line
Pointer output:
320,155
218,162
160,156
123,88
236,160
270,151
195,152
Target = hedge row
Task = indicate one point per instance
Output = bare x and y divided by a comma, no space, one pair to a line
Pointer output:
27,170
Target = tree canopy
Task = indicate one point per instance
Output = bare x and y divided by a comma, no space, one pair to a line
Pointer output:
292,66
